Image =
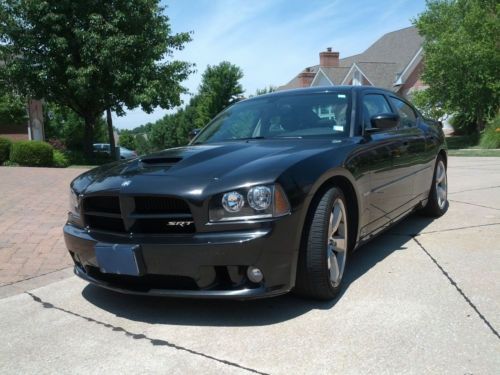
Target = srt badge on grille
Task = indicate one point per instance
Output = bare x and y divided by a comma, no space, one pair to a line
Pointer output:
179,223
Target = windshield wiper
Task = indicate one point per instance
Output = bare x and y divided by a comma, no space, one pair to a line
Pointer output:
248,138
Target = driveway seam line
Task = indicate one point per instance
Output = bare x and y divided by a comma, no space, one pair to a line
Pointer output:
475,189
440,230
154,342
473,204
460,291
34,277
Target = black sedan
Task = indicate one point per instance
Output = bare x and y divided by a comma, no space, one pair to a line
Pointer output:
271,196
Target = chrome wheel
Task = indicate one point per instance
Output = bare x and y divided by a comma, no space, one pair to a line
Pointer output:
441,185
337,242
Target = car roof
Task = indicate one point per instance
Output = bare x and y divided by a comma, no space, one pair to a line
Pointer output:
320,90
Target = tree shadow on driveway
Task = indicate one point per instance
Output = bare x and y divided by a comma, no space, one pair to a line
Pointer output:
191,312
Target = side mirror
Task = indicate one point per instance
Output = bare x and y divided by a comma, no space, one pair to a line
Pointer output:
193,133
384,121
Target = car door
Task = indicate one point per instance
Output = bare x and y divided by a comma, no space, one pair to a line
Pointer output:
384,150
413,160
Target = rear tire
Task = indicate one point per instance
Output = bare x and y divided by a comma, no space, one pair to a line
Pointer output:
323,256
437,203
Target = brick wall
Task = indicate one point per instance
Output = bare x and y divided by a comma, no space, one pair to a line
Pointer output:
413,82
14,132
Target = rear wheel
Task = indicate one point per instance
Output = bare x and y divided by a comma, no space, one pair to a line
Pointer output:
323,259
437,203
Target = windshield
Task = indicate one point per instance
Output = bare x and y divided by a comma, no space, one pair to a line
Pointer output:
315,115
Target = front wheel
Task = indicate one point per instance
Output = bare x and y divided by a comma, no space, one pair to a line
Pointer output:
323,258
437,204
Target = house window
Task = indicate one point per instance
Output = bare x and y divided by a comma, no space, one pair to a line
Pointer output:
357,79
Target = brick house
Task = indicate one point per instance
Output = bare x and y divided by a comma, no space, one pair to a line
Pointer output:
394,62
31,130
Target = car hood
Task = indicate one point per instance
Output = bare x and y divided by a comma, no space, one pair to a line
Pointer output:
203,168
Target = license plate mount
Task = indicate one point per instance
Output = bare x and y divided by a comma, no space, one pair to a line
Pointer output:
119,259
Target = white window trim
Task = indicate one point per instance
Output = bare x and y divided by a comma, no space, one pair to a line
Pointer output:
324,75
354,66
400,81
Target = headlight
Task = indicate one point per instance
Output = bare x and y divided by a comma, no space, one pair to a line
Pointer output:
233,201
256,202
74,208
260,197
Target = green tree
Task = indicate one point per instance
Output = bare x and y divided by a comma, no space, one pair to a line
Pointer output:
462,57
63,124
92,55
127,140
219,87
143,145
12,109
424,103
266,90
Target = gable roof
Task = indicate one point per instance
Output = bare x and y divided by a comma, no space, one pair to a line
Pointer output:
382,63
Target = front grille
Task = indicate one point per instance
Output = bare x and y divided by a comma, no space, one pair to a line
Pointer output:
109,224
146,282
148,215
108,204
145,205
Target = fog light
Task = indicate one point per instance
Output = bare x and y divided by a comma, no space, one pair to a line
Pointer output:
254,274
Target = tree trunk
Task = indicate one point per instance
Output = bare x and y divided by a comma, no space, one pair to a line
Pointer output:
88,137
480,123
111,136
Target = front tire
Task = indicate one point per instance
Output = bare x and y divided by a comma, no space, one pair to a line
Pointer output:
437,204
323,258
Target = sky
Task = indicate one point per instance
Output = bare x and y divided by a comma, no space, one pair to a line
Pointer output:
273,40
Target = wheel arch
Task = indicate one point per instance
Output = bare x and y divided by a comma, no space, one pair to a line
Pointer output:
345,182
444,155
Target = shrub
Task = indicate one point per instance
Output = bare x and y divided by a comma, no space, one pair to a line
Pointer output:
491,135
57,144
5,145
463,124
9,163
60,160
32,153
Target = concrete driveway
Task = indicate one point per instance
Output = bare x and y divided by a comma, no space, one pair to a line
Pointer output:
422,298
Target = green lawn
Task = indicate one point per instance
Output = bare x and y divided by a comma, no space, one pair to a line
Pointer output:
468,145
475,152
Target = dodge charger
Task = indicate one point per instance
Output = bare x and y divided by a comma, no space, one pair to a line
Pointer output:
272,196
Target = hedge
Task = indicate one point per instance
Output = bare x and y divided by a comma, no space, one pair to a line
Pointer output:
491,135
32,153
5,145
60,160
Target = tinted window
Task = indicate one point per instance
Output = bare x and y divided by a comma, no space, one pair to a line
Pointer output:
407,115
281,116
374,104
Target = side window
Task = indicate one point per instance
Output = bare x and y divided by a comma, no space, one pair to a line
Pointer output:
374,104
406,113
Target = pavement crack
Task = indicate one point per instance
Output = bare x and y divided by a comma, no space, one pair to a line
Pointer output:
460,291
474,204
154,342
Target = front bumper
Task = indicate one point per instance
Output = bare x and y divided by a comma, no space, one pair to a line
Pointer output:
203,265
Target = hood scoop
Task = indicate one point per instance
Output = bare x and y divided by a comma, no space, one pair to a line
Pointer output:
159,161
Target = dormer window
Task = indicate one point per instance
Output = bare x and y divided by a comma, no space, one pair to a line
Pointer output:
356,78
